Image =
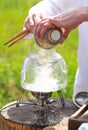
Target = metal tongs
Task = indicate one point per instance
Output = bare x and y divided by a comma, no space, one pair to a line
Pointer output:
16,38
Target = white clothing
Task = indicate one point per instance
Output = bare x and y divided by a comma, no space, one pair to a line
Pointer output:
53,7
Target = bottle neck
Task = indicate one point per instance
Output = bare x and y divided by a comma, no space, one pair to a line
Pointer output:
48,55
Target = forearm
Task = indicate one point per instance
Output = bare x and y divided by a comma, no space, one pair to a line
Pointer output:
72,18
85,14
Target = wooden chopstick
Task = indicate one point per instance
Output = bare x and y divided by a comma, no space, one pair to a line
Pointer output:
18,37
80,111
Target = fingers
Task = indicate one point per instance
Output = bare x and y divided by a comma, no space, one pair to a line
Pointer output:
42,27
40,30
64,35
31,21
36,23
29,24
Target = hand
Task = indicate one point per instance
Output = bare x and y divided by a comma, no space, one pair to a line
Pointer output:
67,21
32,20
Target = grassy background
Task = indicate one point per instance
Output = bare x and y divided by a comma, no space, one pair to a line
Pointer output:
12,16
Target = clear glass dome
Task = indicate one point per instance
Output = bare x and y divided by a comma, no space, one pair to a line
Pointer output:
44,71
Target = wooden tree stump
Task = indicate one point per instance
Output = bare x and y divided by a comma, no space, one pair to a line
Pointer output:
21,117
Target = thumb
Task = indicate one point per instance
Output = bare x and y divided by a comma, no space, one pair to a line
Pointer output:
64,36
66,33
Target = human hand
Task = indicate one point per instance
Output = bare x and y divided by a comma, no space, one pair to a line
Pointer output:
46,24
32,20
67,21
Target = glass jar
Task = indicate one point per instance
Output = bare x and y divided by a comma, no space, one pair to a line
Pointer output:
44,71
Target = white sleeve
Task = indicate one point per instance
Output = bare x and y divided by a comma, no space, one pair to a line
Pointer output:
53,7
48,7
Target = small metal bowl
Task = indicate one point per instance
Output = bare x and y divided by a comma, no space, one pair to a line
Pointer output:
52,38
43,44
80,99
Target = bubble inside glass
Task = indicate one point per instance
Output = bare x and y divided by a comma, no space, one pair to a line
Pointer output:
44,71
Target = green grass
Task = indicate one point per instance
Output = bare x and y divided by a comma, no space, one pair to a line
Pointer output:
12,16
